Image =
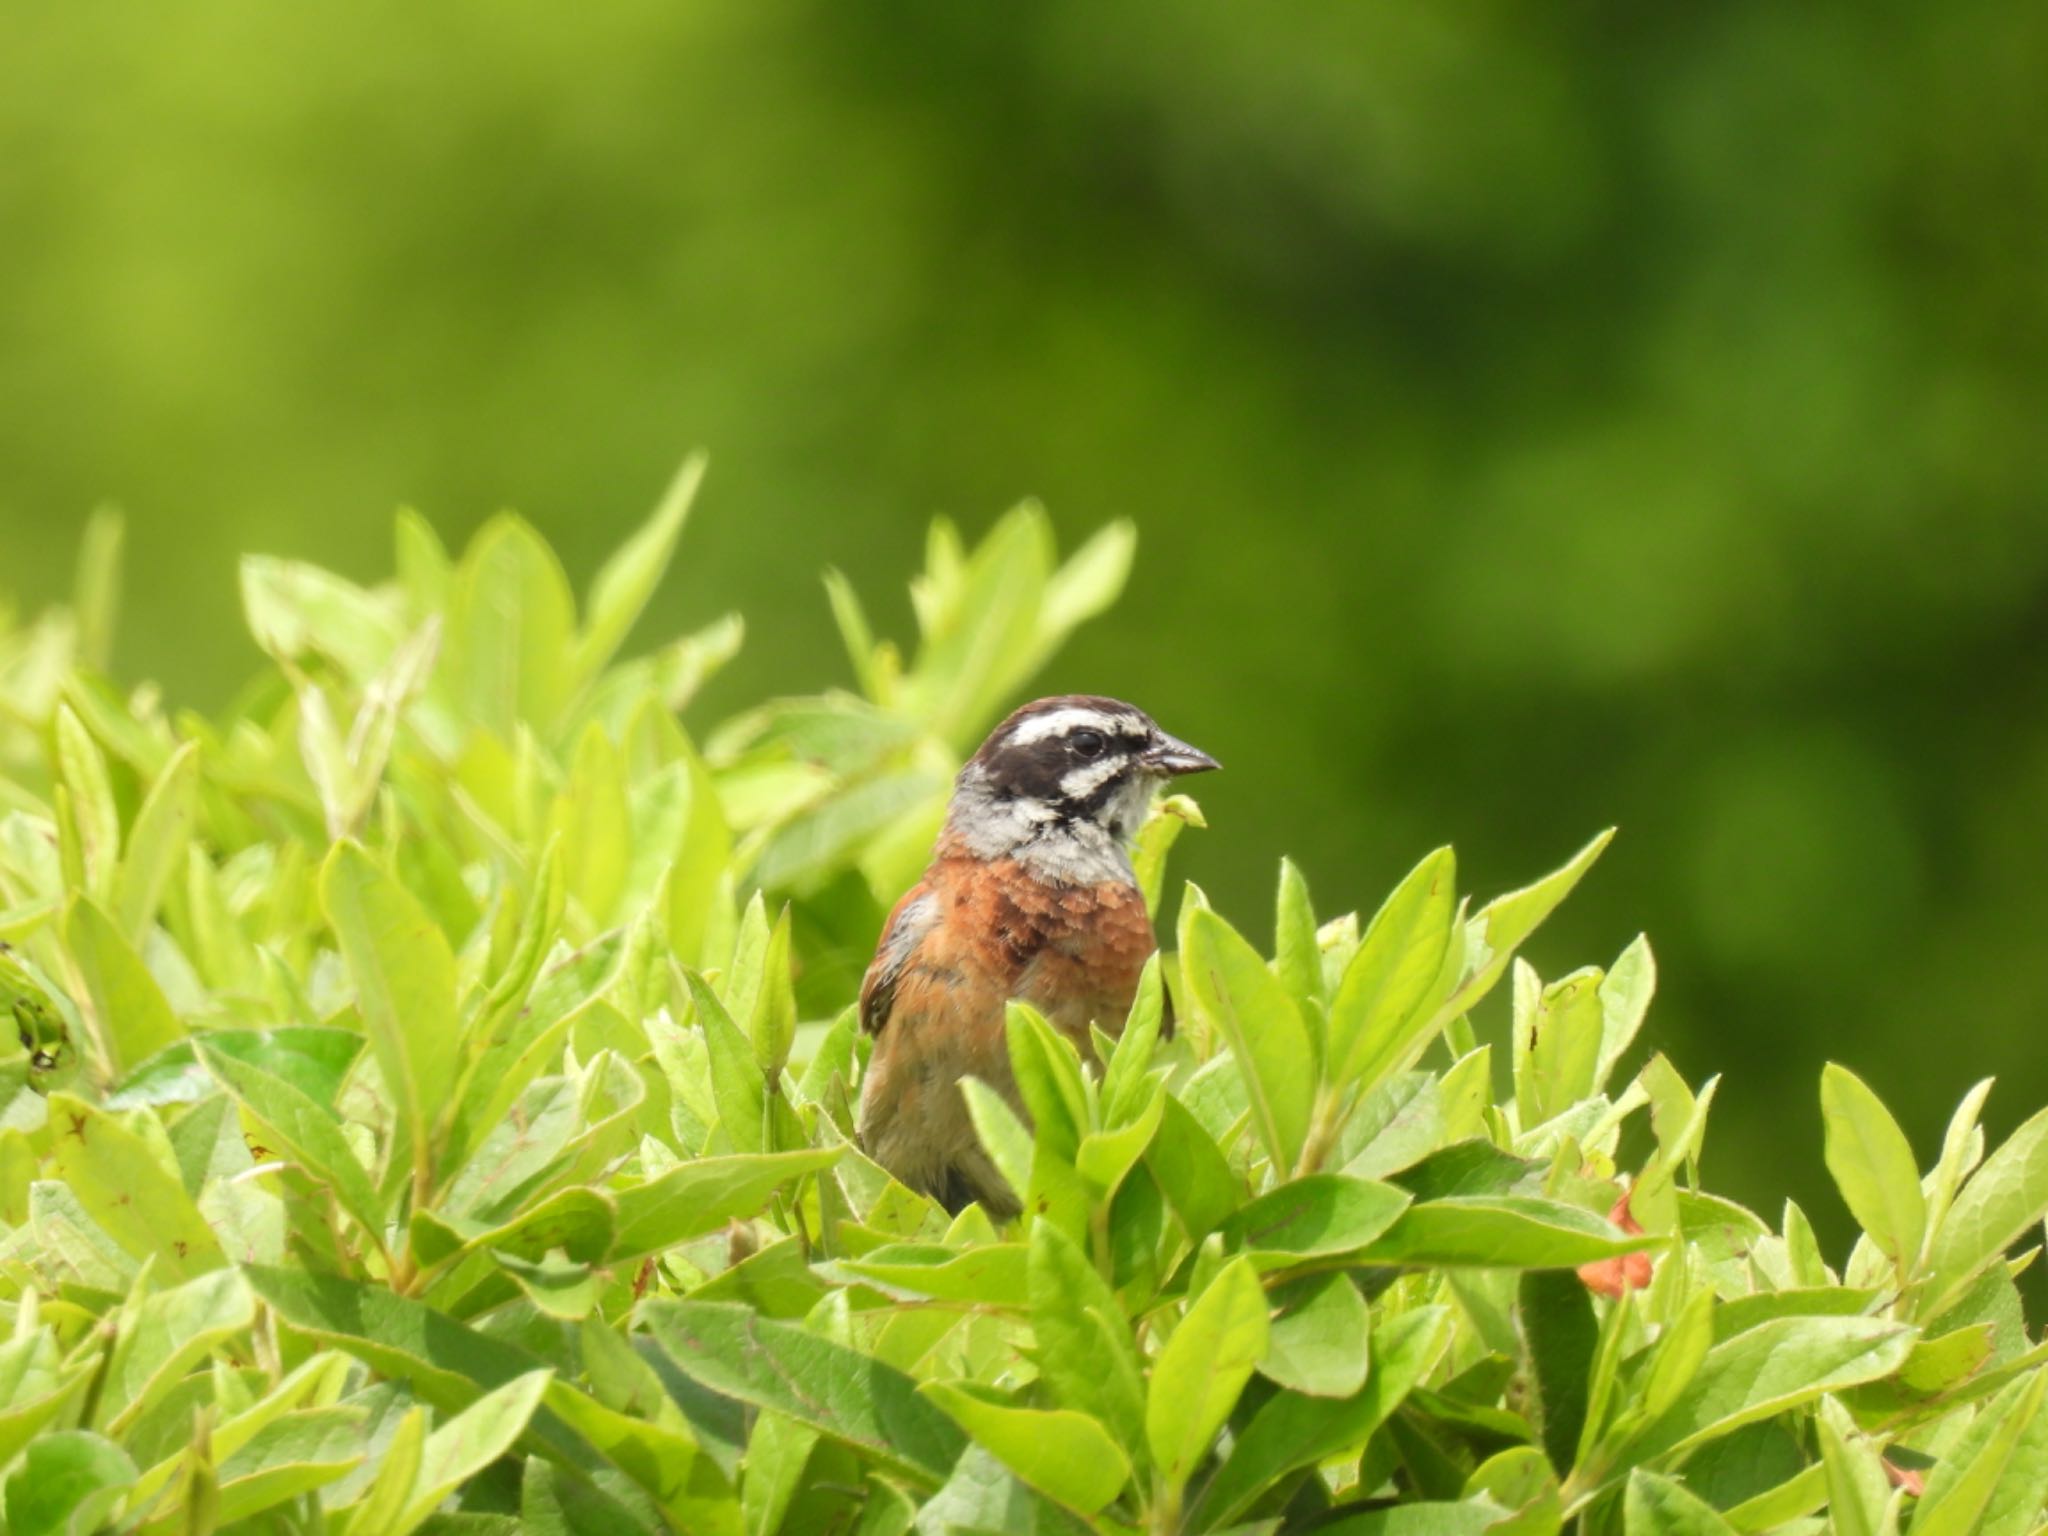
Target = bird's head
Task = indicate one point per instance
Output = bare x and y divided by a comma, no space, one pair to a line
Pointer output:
1065,781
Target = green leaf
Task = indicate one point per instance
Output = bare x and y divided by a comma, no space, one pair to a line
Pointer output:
701,859
980,622
1937,1364
581,1221
1678,1354
856,634
771,1025
157,842
1292,1431
1657,1506
294,609
1243,1001
68,1483
511,630
982,1497
1427,1518
391,1489
447,1363
988,1274
466,1444
1085,585
701,1196
1857,1494
1785,1501
422,561
832,1057
1557,1048
97,590
450,1365
1520,1479
162,1336
819,842
294,1453
404,977
1318,1338
1048,1075
1192,1171
1771,1367
126,1184
1065,1455
1395,1125
515,1044
313,1059
1324,1213
1297,955
1873,1166
1383,1008
539,922
628,579
1562,1337
1962,1148
736,1081
130,1013
305,1130
1105,1157
1205,1364
1126,1084
556,1502
1494,933
2004,1198
36,1384
590,823
1171,814
95,818
1624,1000
842,1393
778,1450
1001,1132
319,1379
1992,1480
631,1418
74,1245
1084,1348
1501,1231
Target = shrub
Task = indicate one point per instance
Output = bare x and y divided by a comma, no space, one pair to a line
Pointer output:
433,1111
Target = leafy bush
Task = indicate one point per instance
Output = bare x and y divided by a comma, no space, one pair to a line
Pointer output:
433,1108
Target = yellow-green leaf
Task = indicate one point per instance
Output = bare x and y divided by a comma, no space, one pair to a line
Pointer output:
131,1016
1873,1165
1205,1364
1065,1455
404,975
129,1187
1245,1003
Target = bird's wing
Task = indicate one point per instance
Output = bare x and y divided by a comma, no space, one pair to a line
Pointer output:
907,925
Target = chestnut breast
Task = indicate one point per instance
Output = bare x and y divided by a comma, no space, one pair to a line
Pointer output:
1072,951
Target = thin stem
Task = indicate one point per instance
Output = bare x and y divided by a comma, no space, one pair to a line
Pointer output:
1163,1517
1322,1132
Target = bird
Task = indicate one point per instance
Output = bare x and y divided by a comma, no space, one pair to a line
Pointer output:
1030,896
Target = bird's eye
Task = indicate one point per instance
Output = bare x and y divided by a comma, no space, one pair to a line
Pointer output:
1087,743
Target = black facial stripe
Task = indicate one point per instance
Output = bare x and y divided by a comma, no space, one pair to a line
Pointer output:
1090,805
1036,770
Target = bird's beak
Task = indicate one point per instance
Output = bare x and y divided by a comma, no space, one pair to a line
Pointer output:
1172,756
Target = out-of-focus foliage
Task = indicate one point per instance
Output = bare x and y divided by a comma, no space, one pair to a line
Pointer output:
1542,415
416,1121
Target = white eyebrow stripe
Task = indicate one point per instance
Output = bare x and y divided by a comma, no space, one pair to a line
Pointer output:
1079,783
1057,722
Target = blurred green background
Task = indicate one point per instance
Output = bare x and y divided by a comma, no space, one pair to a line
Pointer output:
1536,417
